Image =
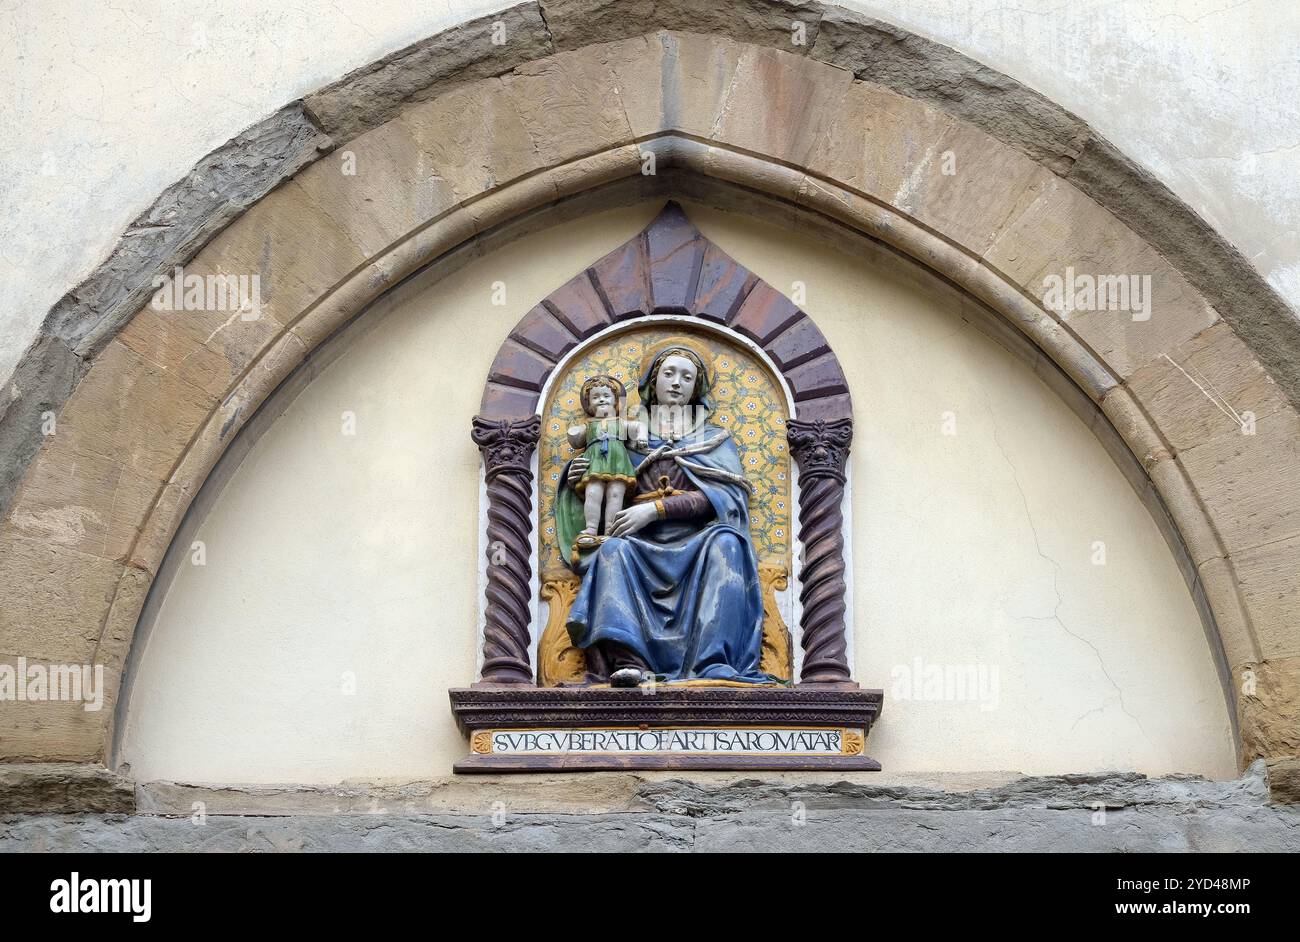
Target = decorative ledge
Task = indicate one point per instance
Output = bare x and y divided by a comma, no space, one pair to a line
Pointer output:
512,728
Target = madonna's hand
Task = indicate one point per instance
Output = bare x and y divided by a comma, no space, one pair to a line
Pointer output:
631,519
577,468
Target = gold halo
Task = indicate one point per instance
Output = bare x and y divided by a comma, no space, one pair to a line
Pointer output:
690,343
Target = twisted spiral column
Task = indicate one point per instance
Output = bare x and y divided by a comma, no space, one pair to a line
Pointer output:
507,447
821,450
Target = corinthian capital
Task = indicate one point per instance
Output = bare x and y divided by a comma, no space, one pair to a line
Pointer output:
506,444
821,448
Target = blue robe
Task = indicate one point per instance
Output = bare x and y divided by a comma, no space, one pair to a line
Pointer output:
684,595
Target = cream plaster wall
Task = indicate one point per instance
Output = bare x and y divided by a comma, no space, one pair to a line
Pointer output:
331,557
107,104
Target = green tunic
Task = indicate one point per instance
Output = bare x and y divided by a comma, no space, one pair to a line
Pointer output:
607,457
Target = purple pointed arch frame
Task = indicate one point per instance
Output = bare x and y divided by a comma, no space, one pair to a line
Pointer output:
668,268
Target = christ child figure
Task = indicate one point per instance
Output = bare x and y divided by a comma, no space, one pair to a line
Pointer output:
610,471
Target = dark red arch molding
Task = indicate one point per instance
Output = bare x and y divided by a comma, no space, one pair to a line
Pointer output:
669,268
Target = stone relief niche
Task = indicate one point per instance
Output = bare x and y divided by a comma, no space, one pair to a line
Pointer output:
652,393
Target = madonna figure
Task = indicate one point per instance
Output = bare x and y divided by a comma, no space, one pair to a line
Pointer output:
672,589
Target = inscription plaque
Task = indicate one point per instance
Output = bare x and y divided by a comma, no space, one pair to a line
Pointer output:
670,741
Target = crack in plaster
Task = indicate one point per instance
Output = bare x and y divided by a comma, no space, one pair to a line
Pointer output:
1056,578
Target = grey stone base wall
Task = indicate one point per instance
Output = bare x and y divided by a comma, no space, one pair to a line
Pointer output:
1122,812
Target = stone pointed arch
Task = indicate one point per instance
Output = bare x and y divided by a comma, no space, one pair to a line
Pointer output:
669,268
562,119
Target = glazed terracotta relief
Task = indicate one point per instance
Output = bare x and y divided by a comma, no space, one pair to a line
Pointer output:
725,444
655,389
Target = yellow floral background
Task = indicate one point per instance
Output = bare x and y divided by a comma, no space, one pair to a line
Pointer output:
747,401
